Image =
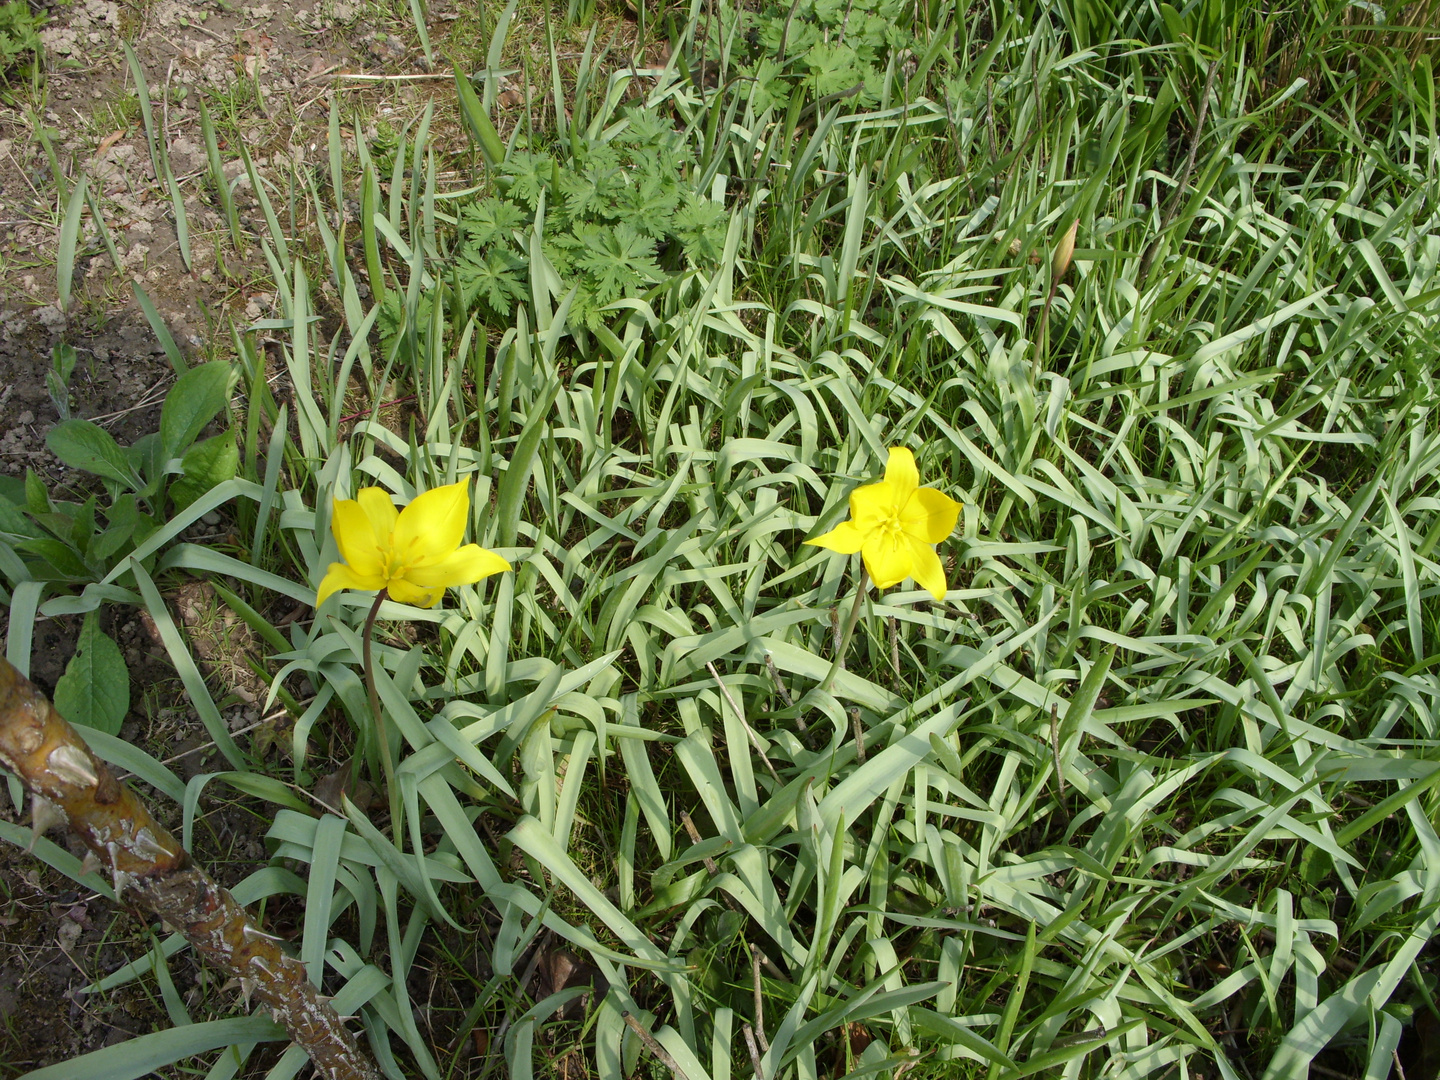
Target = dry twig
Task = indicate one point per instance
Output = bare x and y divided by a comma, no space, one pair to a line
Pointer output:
754,1050
759,1001
661,1055
154,873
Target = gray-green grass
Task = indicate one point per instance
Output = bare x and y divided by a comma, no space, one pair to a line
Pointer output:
1150,793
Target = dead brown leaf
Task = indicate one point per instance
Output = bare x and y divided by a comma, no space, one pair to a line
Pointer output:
332,789
856,1037
320,66
560,969
109,141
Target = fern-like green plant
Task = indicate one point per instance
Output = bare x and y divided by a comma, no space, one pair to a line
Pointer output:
19,38
620,215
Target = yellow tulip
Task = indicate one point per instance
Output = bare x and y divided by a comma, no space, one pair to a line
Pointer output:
415,553
895,526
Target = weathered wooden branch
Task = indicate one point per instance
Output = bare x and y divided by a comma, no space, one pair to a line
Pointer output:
153,872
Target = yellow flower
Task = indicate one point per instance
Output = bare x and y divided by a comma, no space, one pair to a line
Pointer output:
895,526
415,553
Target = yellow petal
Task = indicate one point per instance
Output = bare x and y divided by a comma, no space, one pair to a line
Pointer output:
925,568
930,515
887,560
402,592
463,567
872,504
844,538
340,576
355,534
379,507
433,525
901,474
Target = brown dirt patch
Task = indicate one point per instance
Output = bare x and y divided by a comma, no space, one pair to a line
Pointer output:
265,72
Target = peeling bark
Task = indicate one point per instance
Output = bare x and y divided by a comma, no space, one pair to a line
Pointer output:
153,872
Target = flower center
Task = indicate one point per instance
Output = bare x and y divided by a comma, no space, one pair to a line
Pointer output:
394,565
890,524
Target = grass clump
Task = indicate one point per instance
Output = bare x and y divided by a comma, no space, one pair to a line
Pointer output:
1150,791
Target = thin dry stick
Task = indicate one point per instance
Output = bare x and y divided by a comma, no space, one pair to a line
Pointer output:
759,1002
842,639
749,732
710,863
859,731
653,1046
154,873
711,866
754,1050
780,685
789,701
1173,206
347,76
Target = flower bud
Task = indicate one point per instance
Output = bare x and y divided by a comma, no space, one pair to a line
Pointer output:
1064,252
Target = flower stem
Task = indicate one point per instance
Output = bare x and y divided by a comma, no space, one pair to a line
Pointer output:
843,643
381,735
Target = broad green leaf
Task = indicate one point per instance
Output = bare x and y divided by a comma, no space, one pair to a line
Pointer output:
195,399
142,1055
95,689
84,445
206,465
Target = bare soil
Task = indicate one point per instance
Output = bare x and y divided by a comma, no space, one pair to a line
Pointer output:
267,73
120,377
